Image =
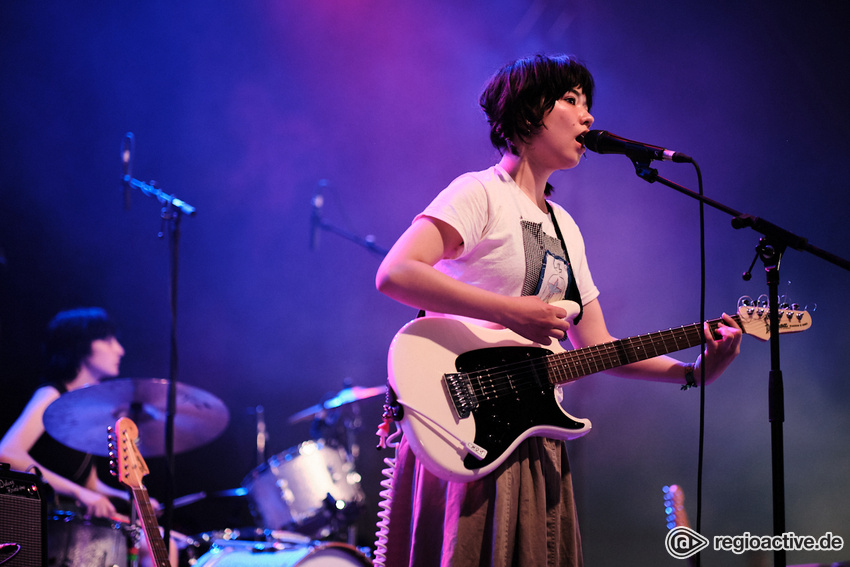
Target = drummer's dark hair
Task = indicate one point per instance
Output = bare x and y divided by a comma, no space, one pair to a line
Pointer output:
69,338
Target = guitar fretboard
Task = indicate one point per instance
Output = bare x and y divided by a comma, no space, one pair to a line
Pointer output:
570,365
151,527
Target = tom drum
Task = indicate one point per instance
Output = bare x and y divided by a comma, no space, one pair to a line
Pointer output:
304,489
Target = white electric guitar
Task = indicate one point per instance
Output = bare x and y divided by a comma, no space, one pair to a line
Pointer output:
471,394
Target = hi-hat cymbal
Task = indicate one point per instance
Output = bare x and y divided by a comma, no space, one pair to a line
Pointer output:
79,418
344,396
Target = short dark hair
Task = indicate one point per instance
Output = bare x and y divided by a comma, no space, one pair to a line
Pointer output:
69,338
520,94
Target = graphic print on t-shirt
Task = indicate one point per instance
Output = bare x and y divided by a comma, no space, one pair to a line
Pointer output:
547,273
553,278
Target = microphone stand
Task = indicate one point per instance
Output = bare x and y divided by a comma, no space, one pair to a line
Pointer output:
367,242
317,222
171,214
770,249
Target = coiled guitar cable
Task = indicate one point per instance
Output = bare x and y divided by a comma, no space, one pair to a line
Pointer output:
387,440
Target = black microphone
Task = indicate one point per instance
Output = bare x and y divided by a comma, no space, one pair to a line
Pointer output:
316,220
603,142
127,161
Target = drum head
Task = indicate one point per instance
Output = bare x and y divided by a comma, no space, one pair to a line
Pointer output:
237,554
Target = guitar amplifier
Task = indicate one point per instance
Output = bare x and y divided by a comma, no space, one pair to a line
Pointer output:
23,519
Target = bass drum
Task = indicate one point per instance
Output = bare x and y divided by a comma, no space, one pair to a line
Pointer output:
226,554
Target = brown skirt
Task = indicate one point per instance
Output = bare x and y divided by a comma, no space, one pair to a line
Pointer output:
521,515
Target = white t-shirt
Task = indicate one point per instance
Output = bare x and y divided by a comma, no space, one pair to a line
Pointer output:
509,245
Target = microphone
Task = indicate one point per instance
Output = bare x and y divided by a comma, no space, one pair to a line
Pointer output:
317,202
127,161
603,142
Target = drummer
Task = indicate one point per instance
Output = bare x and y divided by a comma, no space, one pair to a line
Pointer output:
81,348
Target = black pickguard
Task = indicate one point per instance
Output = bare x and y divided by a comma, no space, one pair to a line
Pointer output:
503,415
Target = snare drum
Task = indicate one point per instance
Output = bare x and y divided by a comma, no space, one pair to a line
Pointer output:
304,488
238,554
73,541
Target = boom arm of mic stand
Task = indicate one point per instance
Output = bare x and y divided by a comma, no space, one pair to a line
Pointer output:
367,242
777,234
163,197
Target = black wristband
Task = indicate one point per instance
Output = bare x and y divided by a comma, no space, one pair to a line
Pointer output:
690,381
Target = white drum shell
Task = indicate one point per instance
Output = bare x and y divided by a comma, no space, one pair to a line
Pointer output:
290,490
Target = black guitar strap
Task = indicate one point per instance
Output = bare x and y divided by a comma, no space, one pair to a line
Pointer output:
572,291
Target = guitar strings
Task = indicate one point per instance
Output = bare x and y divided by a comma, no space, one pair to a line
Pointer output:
563,367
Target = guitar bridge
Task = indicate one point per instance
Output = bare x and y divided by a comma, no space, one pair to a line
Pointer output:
461,393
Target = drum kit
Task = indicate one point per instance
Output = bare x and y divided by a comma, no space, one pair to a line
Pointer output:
304,500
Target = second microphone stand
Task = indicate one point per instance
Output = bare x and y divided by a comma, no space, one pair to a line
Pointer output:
171,214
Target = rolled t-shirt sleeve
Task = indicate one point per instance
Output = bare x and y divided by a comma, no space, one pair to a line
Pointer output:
463,205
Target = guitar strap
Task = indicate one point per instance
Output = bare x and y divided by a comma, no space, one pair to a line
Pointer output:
572,290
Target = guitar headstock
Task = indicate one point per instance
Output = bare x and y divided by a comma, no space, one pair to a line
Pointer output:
125,459
674,507
754,318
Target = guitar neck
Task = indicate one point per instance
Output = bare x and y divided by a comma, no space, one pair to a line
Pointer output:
570,365
150,527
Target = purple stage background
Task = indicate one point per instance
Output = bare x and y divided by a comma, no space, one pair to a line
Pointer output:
245,109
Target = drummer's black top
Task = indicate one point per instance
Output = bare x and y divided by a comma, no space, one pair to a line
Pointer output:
70,463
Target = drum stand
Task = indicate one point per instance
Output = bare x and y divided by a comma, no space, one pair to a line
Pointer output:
339,431
134,535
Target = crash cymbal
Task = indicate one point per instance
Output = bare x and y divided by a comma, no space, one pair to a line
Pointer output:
79,418
344,396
